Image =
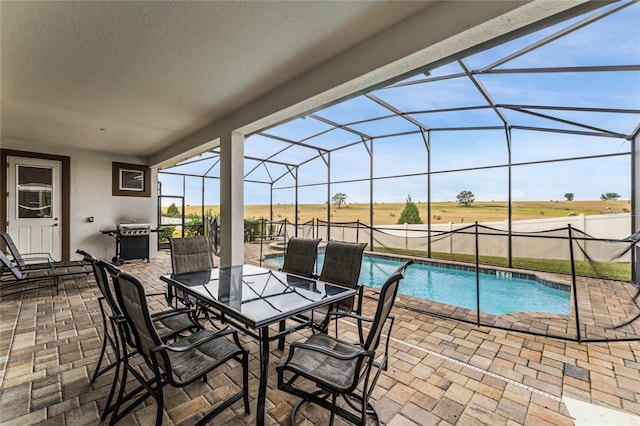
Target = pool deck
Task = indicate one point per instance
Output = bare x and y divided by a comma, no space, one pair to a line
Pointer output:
441,372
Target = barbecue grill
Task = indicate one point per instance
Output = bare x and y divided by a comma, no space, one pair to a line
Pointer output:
132,241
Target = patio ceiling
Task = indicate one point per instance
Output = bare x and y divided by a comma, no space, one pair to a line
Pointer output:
481,92
134,77
154,79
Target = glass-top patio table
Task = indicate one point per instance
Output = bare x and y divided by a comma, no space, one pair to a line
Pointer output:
253,298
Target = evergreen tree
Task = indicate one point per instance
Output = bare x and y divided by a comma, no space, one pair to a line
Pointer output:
410,214
172,211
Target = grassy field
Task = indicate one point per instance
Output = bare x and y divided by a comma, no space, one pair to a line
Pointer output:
441,212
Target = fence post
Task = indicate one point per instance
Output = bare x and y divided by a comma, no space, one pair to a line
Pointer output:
357,230
406,236
262,238
573,283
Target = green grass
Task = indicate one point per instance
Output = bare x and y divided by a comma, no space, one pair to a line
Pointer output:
608,270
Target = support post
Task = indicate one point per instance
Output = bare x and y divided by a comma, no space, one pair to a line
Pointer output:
295,214
573,283
232,199
427,143
203,228
371,195
328,160
271,202
477,277
635,205
510,212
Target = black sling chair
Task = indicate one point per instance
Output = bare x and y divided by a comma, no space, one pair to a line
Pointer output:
336,367
178,364
169,324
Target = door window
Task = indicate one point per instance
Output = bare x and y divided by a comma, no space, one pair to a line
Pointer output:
35,188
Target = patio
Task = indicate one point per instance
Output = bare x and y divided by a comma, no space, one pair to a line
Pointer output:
441,371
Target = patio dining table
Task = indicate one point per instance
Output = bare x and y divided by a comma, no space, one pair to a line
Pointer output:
252,298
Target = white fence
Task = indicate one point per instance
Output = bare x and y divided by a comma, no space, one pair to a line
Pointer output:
540,243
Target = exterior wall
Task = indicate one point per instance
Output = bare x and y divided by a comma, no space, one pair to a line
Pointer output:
91,196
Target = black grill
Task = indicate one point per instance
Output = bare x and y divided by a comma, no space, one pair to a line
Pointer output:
132,241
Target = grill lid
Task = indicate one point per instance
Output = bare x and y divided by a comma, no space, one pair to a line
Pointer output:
134,228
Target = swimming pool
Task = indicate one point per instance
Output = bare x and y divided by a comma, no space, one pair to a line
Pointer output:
499,293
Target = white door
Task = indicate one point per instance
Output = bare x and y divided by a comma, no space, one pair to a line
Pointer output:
34,205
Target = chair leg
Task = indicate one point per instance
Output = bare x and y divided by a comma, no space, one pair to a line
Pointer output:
159,401
123,383
96,373
333,402
169,295
106,338
118,363
245,380
107,407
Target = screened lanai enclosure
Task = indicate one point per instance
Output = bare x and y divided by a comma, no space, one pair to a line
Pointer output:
519,159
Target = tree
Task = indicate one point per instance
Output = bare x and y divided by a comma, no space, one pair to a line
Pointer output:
466,198
172,210
339,199
569,196
410,214
609,196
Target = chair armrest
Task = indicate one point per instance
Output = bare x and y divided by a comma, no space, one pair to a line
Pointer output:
30,259
350,315
329,352
169,314
194,344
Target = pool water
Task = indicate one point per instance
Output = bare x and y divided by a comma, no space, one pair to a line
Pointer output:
498,295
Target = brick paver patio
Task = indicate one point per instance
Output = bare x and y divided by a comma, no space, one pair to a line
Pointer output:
441,371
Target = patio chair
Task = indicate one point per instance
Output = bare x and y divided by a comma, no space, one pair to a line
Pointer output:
177,364
192,254
300,257
323,367
342,264
169,324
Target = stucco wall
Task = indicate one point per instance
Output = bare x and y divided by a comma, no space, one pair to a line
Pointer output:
91,196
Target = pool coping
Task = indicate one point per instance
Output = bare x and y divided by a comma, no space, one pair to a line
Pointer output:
542,278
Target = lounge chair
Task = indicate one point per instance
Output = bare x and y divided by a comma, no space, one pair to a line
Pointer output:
33,261
13,274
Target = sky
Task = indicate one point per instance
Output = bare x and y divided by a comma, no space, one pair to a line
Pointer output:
613,40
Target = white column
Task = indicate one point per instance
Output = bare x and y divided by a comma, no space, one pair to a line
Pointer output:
232,199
